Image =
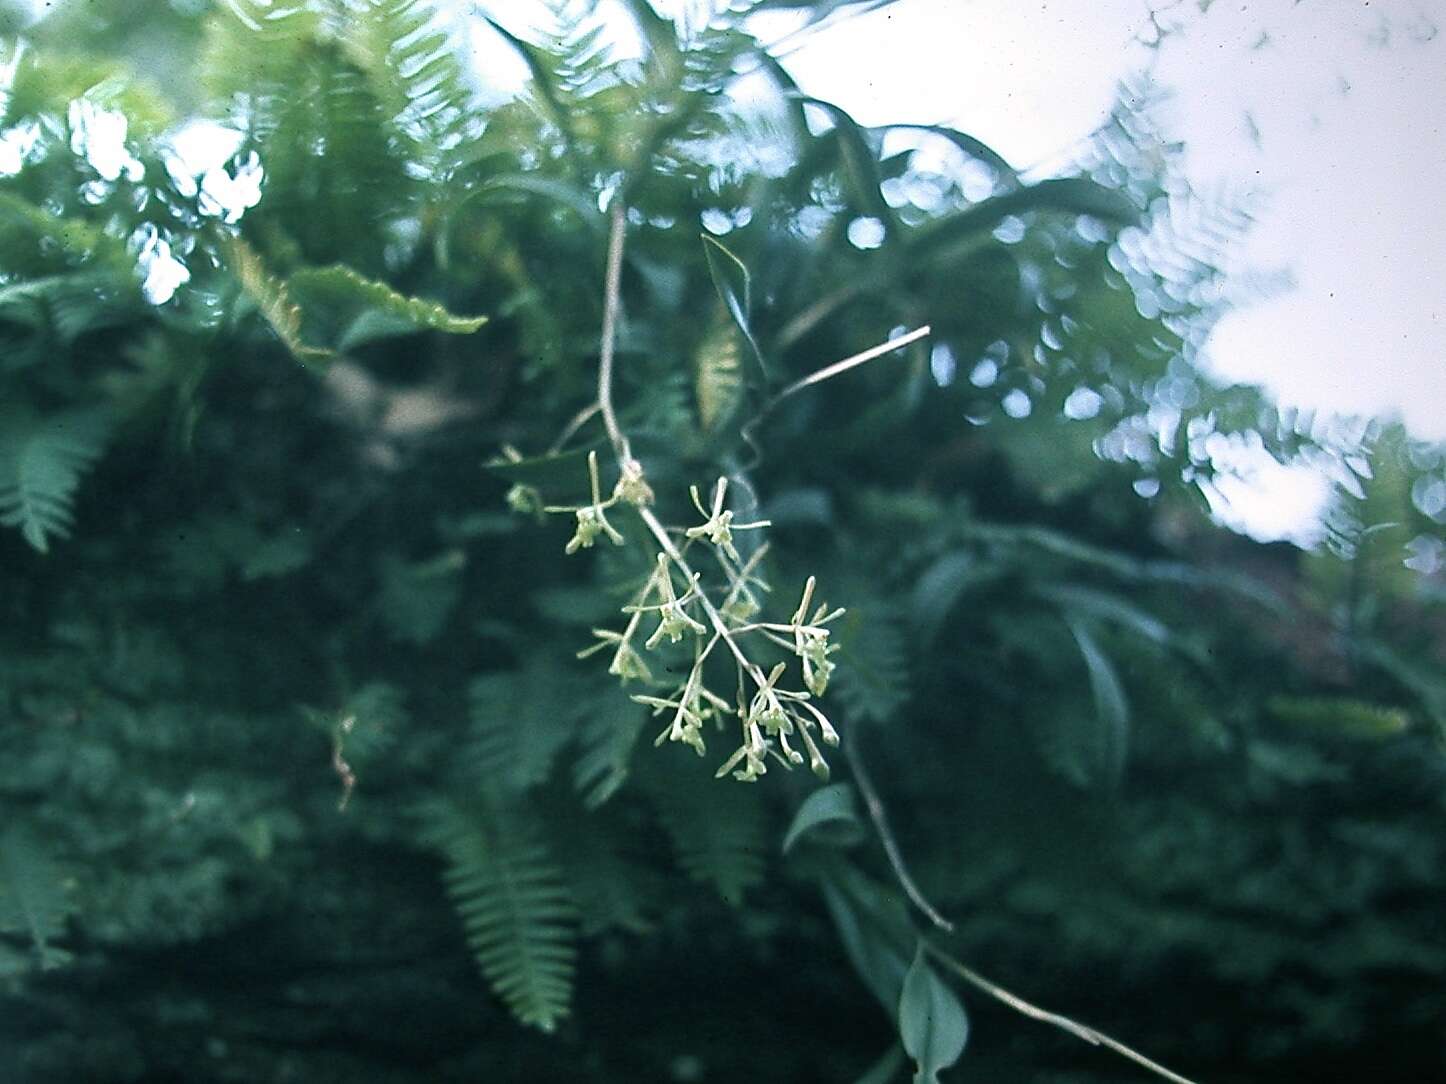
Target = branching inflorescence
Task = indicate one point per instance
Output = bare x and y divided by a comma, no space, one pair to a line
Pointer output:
774,720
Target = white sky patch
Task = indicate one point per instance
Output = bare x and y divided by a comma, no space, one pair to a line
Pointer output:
1329,112
1270,502
1029,80
1351,150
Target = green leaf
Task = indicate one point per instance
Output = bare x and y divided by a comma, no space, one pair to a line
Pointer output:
1112,711
42,460
609,735
974,148
518,914
1339,717
375,308
544,79
573,197
1105,605
717,829
556,472
499,187
933,1026
860,165
272,300
1071,195
874,681
717,380
520,720
875,931
941,586
731,280
828,816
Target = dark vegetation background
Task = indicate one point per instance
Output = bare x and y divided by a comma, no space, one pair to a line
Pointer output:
1183,786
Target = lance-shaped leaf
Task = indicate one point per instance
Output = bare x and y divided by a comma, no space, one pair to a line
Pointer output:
974,148
1071,195
557,472
1112,711
860,165
731,280
932,1023
828,815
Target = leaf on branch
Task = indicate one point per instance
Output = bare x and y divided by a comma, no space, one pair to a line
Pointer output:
860,165
933,1026
717,381
829,815
1112,710
732,281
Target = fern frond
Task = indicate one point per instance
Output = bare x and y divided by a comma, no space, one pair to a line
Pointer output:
32,897
283,76
1339,716
272,300
42,460
518,915
415,73
717,832
378,310
873,680
355,308
520,720
609,735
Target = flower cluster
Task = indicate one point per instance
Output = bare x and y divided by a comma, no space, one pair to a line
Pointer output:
718,618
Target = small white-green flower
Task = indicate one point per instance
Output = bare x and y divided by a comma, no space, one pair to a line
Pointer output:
810,641
592,518
751,753
632,486
626,663
525,500
718,526
673,619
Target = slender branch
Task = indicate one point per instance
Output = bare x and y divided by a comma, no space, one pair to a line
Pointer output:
828,371
715,618
880,819
612,294
1074,1027
581,418
612,290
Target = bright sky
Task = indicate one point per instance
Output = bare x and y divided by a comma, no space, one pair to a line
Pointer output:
1330,111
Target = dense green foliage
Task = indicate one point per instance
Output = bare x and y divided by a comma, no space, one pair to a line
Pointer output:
291,713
